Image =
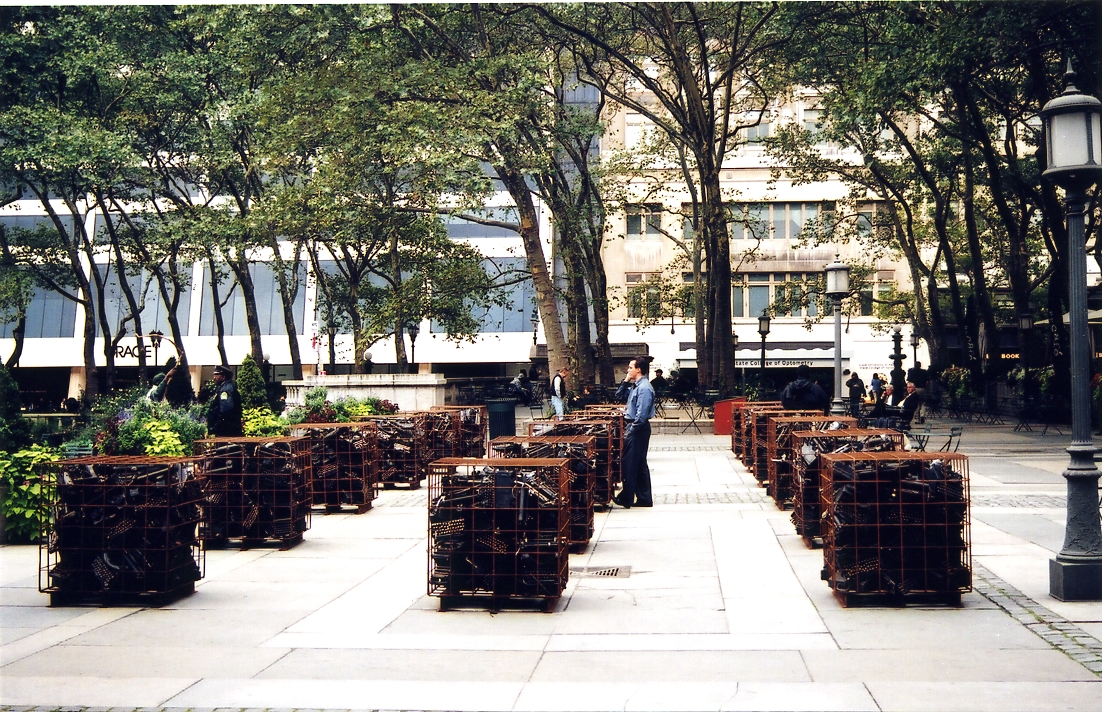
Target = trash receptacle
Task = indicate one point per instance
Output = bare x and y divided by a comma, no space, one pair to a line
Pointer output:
503,416
724,415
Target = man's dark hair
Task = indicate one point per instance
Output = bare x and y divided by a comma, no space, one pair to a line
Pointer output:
643,364
803,371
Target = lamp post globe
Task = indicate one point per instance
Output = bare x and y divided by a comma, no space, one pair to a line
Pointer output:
837,287
1073,147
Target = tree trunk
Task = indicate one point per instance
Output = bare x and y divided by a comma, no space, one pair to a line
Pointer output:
399,317
18,334
217,304
537,265
287,294
240,266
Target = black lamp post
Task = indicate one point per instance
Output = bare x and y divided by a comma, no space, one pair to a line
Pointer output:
763,329
899,377
155,341
1073,142
837,287
915,341
1025,325
413,330
734,351
535,321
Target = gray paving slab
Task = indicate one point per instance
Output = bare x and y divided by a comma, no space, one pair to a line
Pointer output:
672,666
426,665
35,617
191,628
948,665
922,629
1009,472
127,663
985,696
1033,528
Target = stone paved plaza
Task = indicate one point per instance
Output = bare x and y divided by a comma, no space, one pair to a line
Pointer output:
718,606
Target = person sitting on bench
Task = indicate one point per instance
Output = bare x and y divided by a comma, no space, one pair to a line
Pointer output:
900,415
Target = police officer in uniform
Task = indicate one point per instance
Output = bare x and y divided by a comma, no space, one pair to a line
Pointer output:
224,411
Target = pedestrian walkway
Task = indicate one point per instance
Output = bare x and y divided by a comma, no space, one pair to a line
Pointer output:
707,601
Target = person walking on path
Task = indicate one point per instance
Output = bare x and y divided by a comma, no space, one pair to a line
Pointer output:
921,378
637,415
224,411
803,393
558,392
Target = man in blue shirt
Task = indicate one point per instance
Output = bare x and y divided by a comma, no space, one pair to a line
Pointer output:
637,415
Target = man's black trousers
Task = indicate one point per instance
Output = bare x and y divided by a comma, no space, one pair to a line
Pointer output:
636,472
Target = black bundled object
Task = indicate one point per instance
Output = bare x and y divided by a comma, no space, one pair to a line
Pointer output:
498,529
344,464
404,451
895,525
779,455
121,529
257,489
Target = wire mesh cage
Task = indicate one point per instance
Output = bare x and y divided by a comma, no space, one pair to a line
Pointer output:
806,448
750,415
609,449
582,452
761,441
778,436
896,525
740,413
498,530
614,414
258,489
344,464
404,450
474,428
120,529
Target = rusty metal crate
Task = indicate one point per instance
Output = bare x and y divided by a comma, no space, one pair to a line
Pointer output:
582,452
750,415
258,490
120,530
806,447
404,450
615,414
474,428
739,423
498,531
778,432
344,464
608,455
760,441
896,527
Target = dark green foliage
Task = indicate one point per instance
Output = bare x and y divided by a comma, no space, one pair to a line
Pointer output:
250,384
15,432
179,392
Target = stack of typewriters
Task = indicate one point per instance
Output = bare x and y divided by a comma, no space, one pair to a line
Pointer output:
472,424
582,453
404,447
257,490
498,531
896,524
344,462
121,529
608,440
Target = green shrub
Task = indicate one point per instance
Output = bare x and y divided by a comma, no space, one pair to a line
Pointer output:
15,430
27,490
144,429
262,422
250,384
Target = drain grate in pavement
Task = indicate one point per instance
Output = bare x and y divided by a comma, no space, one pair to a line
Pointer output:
602,571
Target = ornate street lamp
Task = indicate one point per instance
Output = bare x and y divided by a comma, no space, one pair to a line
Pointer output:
1025,325
837,287
535,321
1073,142
763,329
898,375
413,330
155,341
915,341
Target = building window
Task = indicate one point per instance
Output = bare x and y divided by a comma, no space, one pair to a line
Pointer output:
458,228
644,296
49,316
813,121
514,314
644,222
755,292
269,304
755,134
780,221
